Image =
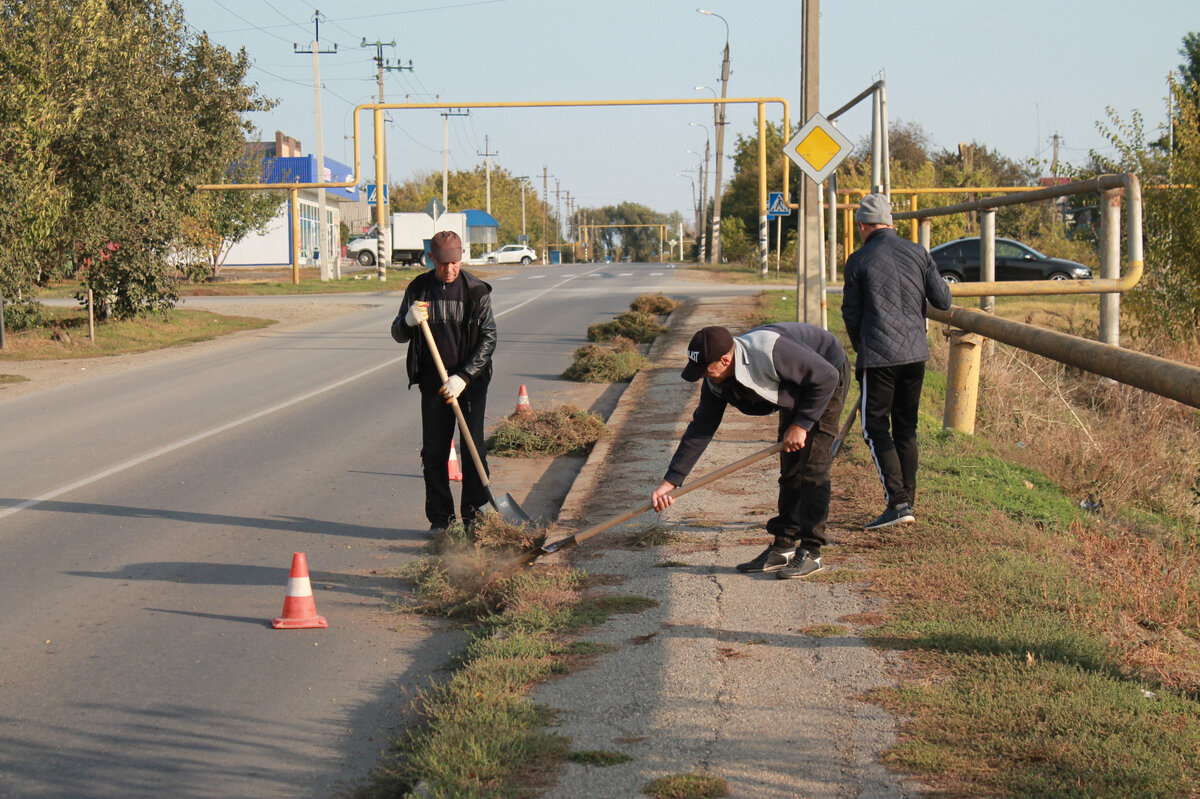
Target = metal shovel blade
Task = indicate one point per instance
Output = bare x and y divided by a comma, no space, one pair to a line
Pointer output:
508,508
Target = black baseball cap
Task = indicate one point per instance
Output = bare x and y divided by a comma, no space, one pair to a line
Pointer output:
707,346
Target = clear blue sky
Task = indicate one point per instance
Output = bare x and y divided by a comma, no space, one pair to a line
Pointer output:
1006,74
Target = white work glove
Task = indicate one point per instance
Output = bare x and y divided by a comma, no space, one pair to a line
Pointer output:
418,312
454,386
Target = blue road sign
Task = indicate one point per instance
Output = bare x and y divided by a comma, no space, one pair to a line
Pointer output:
776,207
371,192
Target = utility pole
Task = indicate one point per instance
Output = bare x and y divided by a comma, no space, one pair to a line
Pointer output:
522,180
446,152
323,238
557,216
383,241
487,154
719,123
810,299
545,201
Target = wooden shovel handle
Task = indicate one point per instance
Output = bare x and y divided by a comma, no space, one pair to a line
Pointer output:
462,422
724,471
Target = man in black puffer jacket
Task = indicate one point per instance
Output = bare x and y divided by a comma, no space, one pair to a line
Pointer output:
458,307
887,282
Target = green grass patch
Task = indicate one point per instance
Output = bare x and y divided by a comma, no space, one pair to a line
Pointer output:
599,757
10,379
658,304
687,786
563,430
825,630
155,332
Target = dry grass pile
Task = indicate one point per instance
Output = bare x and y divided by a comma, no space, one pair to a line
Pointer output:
659,304
635,325
616,362
563,430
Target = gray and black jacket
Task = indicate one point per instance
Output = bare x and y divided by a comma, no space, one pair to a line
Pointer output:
887,282
474,323
789,367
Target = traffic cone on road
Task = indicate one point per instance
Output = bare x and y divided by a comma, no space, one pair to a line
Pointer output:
299,608
523,405
452,466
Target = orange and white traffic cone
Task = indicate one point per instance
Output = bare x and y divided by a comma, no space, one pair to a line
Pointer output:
299,608
452,466
523,405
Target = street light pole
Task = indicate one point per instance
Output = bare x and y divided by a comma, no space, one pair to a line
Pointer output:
703,193
720,124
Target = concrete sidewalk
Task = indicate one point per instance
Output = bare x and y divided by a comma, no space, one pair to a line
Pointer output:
723,677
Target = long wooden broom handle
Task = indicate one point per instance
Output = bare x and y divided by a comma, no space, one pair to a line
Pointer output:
700,482
462,422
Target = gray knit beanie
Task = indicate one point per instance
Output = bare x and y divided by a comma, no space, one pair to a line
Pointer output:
875,209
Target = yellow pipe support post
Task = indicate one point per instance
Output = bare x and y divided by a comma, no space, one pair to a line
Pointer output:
383,244
912,206
295,203
962,380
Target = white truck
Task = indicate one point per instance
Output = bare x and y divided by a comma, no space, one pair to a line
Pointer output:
411,232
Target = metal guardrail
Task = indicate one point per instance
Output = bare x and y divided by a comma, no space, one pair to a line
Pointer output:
970,328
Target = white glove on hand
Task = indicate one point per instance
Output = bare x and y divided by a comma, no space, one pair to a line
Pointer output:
454,386
418,312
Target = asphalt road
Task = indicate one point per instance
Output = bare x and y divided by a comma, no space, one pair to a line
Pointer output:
147,523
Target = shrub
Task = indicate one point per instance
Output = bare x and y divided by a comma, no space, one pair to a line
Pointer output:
23,314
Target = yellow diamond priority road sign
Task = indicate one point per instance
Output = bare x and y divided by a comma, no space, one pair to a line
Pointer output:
818,148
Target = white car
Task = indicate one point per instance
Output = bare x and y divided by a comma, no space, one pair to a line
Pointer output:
511,254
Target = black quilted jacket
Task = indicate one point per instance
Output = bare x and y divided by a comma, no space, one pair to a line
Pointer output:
887,281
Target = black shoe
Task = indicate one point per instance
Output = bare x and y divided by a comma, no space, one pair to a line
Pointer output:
772,559
901,514
802,565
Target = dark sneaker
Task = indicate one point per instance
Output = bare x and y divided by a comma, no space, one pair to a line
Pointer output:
772,559
901,514
802,565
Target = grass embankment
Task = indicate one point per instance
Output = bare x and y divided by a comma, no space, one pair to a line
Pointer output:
1049,609
482,736
233,283
156,332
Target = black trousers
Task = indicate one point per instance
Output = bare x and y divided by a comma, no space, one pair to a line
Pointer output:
890,401
438,423
804,484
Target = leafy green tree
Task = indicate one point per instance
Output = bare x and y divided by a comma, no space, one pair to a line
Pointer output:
639,243
113,113
223,218
1166,302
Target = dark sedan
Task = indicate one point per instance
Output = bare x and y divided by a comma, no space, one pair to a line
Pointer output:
958,260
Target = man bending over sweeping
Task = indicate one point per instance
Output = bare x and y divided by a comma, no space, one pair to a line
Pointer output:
799,370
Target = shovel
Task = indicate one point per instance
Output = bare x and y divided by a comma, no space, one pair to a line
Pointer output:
530,555
841,436
506,506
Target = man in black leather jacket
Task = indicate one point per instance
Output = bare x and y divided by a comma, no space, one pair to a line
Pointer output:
458,307
887,282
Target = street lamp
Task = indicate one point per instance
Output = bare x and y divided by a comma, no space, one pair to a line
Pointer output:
703,191
719,123
694,205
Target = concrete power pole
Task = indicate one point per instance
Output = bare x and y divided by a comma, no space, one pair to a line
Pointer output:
809,218
323,238
487,154
383,243
446,152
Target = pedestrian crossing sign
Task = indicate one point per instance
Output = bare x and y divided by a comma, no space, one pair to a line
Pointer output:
776,206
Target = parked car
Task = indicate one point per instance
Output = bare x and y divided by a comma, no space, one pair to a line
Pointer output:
958,260
511,254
